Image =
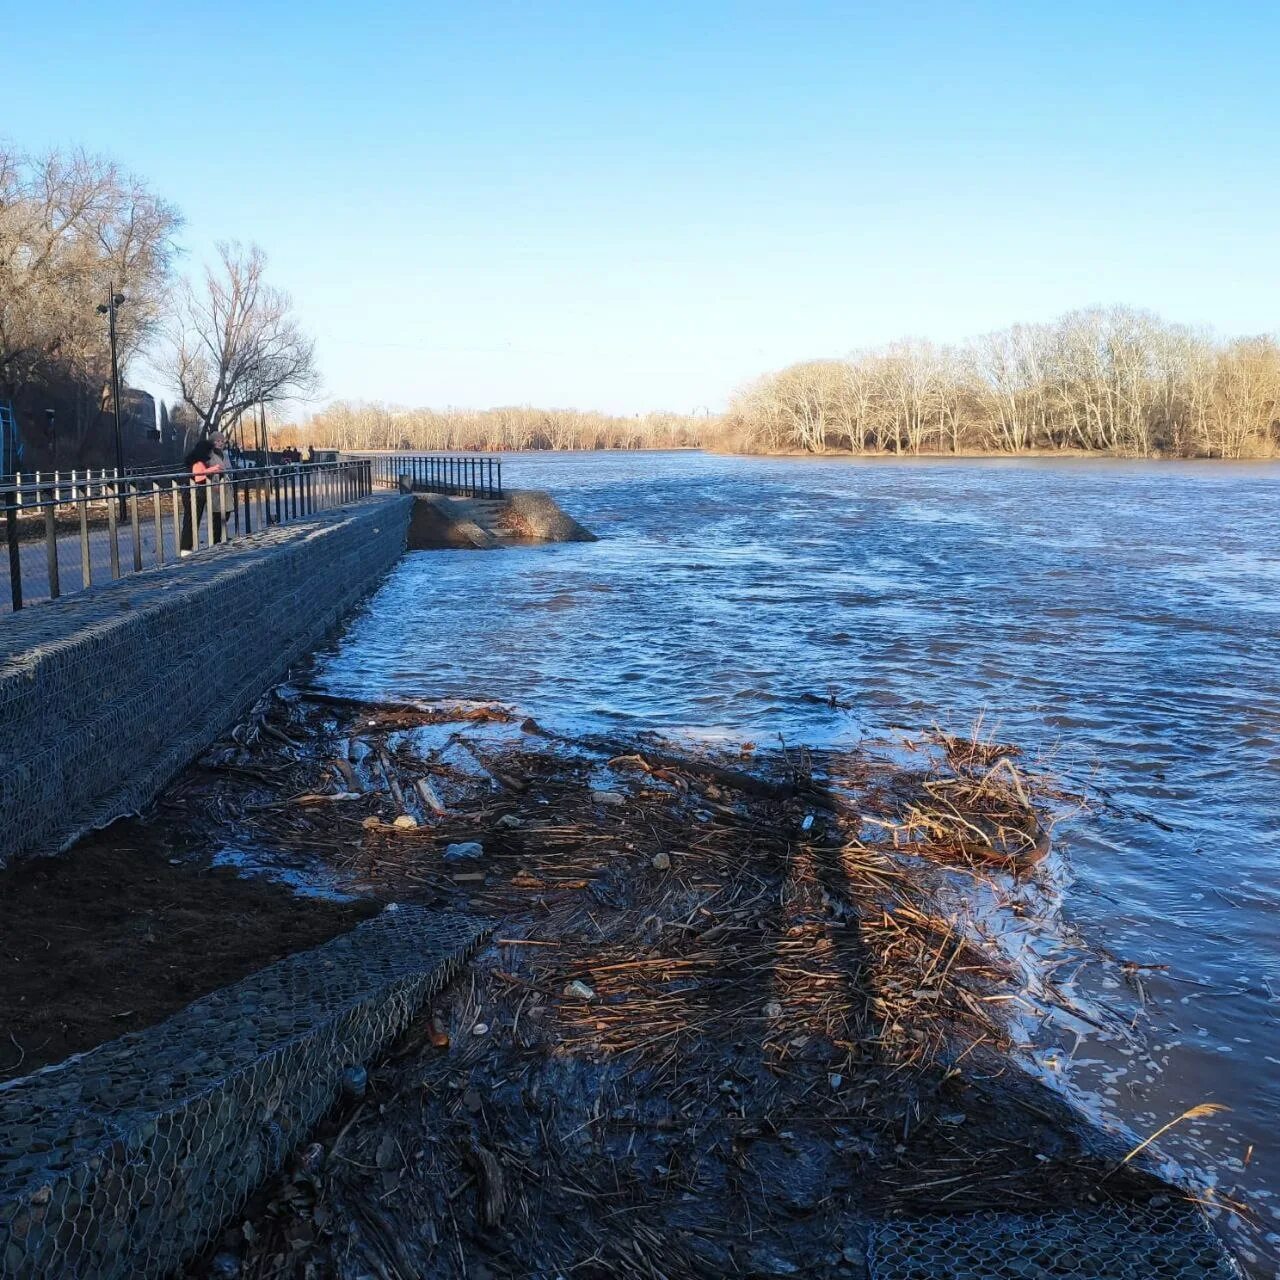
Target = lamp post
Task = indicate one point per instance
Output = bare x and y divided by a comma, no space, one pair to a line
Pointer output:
108,309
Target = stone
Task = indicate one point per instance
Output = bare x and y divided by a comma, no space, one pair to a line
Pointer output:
355,1082
509,820
580,990
406,822
463,851
662,861
773,1010
611,799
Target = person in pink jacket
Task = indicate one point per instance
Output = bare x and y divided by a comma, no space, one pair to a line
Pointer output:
205,462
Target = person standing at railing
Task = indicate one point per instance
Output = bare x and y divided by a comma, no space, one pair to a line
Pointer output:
206,462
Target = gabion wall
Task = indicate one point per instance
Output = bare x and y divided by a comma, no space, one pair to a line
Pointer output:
105,695
1174,1242
125,1161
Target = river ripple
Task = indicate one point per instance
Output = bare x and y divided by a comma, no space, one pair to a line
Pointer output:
1123,617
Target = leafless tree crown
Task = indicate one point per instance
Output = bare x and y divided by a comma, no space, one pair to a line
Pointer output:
235,342
71,227
1109,380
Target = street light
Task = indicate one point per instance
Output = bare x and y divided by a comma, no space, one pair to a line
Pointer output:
108,309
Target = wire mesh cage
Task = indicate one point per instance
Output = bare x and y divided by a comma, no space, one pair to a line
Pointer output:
1170,1242
123,1161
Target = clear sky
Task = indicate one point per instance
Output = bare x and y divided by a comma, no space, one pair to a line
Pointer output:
632,205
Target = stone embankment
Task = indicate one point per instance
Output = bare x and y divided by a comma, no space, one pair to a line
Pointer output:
106,694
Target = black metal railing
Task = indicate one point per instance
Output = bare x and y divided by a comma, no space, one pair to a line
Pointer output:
465,474
85,530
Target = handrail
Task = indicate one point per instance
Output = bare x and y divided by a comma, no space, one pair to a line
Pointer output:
469,475
168,515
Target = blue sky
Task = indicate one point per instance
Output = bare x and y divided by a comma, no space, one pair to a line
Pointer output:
629,206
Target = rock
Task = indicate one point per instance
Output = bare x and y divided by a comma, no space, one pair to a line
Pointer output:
406,822
438,1033
953,1118
372,823
508,820
480,1029
772,1010
224,1265
662,862
771,1264
461,852
355,1082
835,1079
580,990
612,799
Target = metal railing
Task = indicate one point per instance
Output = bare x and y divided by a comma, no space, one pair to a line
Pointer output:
465,474
62,530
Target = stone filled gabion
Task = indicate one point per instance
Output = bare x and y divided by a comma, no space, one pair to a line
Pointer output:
1170,1243
124,1161
106,694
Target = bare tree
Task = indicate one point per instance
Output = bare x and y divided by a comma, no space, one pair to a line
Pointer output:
235,343
73,226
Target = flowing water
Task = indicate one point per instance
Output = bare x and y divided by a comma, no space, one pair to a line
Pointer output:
1122,617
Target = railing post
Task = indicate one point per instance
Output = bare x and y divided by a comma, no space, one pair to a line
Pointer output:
15,553
51,547
113,521
86,561
177,516
137,528
158,522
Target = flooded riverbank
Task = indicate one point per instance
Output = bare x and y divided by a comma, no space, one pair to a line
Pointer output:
1122,618
729,1020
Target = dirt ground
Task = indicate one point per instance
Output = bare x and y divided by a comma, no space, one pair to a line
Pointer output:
113,937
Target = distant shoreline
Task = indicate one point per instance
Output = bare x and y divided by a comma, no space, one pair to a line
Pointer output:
990,455
843,455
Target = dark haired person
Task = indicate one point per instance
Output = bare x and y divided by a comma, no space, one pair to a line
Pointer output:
206,462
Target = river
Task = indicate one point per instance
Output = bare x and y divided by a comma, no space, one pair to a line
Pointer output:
1120,618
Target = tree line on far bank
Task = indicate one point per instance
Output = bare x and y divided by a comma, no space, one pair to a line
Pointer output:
1115,381
360,426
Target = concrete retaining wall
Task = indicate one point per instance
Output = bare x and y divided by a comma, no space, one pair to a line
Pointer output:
105,695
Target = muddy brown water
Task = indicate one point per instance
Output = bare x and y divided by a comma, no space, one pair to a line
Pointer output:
1122,618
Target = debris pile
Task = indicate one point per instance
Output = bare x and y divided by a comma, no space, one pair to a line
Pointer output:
724,1022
